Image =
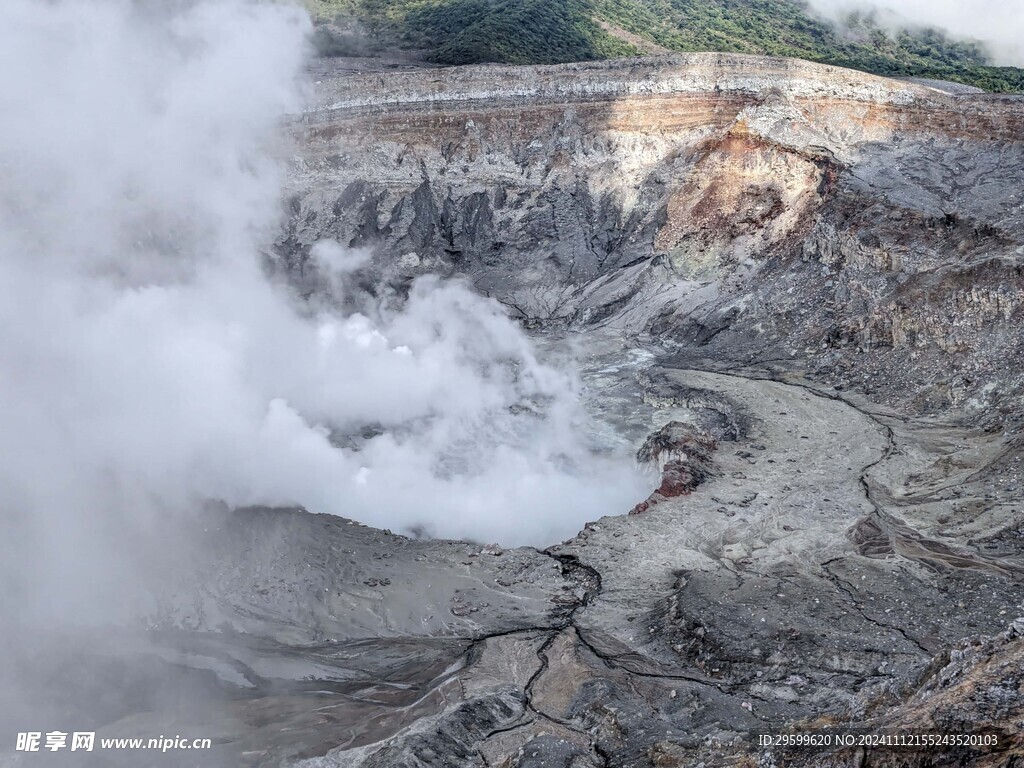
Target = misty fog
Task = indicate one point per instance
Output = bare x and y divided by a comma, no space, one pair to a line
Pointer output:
151,366
997,24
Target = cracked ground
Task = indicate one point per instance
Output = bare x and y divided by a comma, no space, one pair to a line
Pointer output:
804,586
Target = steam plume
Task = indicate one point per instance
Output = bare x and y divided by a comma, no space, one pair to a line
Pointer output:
997,24
149,365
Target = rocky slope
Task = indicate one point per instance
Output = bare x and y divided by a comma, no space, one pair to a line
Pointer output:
858,241
756,210
796,287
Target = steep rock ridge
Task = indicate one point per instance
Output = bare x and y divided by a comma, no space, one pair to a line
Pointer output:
693,196
564,170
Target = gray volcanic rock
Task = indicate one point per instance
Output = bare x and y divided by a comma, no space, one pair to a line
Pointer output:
846,252
817,270
674,636
746,209
297,578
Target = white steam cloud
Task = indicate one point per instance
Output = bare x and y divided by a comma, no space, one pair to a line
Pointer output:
997,24
149,365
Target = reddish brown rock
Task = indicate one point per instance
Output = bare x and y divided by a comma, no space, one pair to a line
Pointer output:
687,454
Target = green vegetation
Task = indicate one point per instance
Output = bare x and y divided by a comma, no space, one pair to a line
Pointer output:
551,31
512,31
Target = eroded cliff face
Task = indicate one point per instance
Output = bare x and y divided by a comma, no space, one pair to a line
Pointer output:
749,209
